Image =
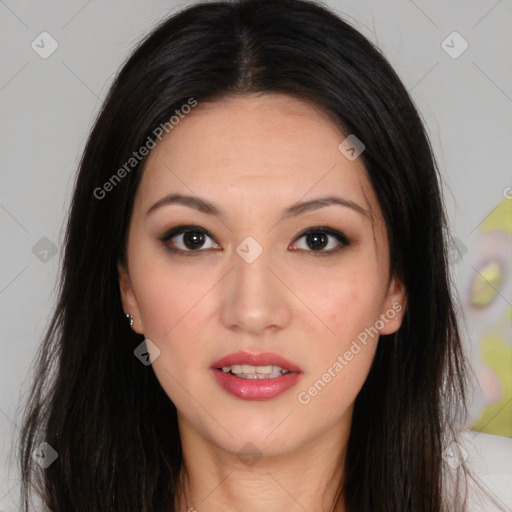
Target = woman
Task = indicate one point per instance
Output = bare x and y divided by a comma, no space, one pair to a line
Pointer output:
255,310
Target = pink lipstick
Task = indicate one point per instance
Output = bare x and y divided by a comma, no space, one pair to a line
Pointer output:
255,376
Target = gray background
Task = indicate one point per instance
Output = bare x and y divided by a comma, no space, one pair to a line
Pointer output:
47,107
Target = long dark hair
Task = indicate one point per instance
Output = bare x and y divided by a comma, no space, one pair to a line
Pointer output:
105,414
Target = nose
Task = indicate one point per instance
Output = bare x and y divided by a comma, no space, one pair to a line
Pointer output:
255,298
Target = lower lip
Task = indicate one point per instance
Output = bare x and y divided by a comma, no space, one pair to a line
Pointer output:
255,389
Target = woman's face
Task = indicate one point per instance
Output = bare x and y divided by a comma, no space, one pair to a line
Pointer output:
243,276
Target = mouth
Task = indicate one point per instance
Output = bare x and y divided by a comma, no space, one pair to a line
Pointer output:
255,376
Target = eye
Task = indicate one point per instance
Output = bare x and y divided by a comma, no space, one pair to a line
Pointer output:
317,239
189,239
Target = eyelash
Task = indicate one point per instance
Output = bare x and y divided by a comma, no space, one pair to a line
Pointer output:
179,230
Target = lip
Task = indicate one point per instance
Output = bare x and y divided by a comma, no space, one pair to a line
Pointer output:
255,389
261,359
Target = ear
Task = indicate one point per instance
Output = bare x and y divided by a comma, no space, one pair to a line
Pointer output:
394,306
128,299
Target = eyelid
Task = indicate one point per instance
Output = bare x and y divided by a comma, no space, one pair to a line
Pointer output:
328,231
179,230
342,239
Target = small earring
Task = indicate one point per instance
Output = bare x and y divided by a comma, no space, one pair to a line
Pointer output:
130,318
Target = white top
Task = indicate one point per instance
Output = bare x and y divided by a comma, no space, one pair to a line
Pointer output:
489,458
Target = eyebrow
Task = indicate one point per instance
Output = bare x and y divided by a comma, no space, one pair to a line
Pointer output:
293,211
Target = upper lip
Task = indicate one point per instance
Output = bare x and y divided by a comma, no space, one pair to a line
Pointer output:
261,359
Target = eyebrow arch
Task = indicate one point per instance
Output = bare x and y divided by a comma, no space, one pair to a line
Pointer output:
293,211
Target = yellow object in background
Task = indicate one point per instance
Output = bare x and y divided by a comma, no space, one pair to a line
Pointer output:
497,419
489,308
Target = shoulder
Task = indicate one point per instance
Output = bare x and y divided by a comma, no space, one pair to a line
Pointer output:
489,459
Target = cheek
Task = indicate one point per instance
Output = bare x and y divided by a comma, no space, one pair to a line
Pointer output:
339,367
331,393
349,305
340,359
175,304
171,306
162,304
169,296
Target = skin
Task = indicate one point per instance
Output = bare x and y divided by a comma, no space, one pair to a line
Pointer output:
253,156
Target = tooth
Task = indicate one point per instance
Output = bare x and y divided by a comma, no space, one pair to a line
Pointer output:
264,369
251,371
272,375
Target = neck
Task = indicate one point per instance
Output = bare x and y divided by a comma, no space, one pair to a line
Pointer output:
307,479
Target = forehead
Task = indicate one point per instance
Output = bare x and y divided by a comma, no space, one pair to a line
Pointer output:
259,149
